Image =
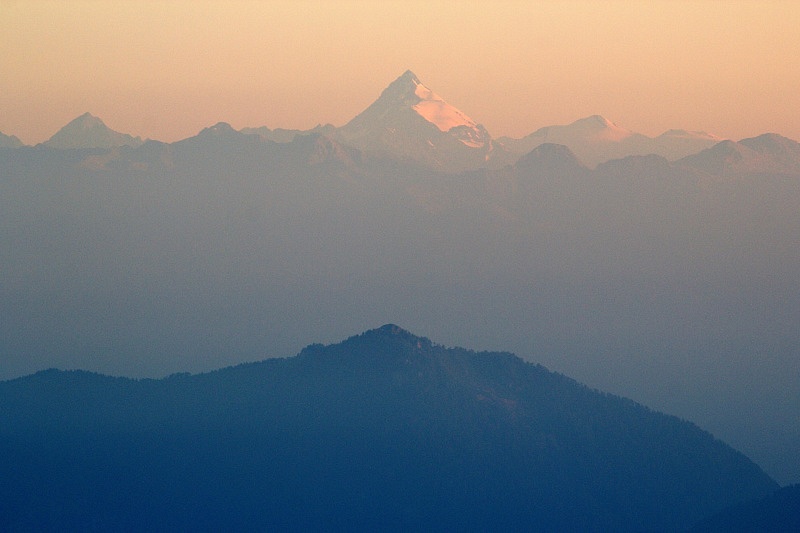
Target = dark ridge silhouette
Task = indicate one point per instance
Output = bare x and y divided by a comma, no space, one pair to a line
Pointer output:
383,431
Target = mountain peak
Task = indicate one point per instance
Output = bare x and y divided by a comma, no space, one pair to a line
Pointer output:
409,76
550,158
389,342
723,158
392,331
411,121
89,131
597,121
218,129
85,122
87,119
781,153
770,143
601,126
401,91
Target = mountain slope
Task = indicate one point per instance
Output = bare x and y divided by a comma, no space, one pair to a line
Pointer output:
385,430
88,131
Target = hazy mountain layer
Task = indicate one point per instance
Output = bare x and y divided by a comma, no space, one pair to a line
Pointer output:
596,140
382,431
88,131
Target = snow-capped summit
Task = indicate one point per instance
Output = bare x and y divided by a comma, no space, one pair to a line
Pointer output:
435,110
411,121
220,129
88,131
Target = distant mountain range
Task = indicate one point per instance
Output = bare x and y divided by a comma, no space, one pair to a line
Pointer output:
410,122
596,139
384,431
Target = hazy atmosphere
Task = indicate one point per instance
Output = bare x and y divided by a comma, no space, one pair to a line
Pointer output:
166,69
608,189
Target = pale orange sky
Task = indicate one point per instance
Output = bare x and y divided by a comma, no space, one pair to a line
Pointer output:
166,69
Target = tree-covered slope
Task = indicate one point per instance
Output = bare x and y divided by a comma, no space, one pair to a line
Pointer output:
385,430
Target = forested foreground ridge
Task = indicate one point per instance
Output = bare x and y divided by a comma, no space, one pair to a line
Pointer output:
383,431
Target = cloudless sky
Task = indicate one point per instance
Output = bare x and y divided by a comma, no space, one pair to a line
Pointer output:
166,69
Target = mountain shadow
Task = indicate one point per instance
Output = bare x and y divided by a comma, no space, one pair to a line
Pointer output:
384,431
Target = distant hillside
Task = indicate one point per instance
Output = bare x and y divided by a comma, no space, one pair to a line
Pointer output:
384,431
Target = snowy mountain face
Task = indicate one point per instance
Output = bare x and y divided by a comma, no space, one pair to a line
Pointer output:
88,131
596,140
447,118
412,122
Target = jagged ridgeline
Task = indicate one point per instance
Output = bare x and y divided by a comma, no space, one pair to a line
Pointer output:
384,431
